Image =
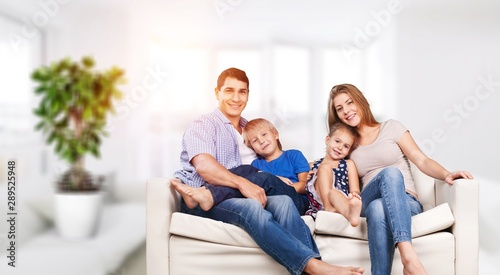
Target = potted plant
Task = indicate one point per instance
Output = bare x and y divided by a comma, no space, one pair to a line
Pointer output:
75,101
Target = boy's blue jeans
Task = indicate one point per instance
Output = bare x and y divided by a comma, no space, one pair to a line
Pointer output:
388,209
272,185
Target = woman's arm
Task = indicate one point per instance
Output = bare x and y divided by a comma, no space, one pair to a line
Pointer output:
352,173
427,165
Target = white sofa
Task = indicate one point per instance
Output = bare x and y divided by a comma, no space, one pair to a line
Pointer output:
445,235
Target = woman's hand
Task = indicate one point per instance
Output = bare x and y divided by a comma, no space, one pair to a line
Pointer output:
458,175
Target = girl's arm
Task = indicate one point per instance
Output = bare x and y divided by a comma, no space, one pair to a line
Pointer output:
323,184
427,165
352,173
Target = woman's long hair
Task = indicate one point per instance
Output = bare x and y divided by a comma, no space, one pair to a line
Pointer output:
358,98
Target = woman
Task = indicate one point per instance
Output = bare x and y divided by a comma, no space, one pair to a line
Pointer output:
388,194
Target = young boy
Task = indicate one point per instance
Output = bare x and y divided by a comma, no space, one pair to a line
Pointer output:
290,165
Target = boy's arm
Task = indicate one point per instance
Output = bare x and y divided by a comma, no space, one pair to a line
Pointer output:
300,186
302,168
352,174
214,173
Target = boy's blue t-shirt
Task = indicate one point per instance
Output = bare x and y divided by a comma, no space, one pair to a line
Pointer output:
289,164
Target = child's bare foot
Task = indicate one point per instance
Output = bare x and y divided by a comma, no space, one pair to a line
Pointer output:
194,196
354,208
318,267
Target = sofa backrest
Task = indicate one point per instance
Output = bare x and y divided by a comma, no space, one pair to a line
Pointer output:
425,187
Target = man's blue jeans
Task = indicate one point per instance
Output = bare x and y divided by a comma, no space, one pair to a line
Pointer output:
271,184
278,228
388,209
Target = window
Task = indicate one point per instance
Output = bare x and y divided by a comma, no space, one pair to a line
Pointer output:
19,55
291,79
186,86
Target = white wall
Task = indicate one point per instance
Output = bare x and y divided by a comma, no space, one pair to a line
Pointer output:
441,61
445,57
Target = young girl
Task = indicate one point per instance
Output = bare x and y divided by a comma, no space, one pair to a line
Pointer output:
290,165
335,185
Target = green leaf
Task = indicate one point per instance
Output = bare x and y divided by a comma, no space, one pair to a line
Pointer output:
88,61
51,137
74,90
40,125
59,146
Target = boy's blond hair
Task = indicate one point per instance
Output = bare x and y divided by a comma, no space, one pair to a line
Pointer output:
256,124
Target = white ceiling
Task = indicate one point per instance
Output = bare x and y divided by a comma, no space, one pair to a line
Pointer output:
318,21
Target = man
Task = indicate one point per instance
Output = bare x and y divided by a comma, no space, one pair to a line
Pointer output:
211,146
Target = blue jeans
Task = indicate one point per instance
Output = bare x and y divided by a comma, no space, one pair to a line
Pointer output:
271,184
278,228
388,209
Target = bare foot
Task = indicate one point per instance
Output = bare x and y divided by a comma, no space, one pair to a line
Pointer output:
411,263
318,267
194,196
414,268
354,208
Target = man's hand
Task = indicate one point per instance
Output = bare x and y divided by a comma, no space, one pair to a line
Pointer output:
252,191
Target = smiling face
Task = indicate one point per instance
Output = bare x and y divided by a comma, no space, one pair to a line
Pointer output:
264,142
338,145
347,110
232,97
347,104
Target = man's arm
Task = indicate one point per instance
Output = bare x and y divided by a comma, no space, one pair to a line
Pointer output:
214,173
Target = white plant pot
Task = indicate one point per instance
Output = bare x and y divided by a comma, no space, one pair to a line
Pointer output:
77,214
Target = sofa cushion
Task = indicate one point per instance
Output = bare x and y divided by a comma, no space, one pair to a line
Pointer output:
215,231
430,221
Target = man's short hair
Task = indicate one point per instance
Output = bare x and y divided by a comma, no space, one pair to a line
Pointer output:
234,73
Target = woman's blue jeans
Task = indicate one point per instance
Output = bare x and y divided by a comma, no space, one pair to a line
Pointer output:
388,209
278,228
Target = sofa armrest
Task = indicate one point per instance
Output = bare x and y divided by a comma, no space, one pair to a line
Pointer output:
463,199
162,201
